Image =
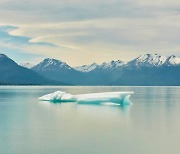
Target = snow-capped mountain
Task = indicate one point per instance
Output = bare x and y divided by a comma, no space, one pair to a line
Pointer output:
172,61
27,65
148,69
113,64
154,60
87,68
104,66
57,70
148,60
50,65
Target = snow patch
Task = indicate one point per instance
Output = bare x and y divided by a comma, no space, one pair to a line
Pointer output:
87,68
172,60
150,60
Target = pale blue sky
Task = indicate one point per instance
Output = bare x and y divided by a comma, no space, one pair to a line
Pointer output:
86,31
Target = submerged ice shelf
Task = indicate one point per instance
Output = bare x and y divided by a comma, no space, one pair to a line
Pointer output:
120,98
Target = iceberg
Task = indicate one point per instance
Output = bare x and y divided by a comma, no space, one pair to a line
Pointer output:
121,98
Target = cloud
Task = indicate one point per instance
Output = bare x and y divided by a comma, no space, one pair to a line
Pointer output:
109,29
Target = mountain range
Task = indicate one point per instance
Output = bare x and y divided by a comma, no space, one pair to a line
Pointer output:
145,70
148,69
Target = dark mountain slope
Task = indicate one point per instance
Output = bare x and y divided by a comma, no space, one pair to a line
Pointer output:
12,73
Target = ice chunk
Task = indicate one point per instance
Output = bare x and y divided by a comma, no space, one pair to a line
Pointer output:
96,98
58,96
121,98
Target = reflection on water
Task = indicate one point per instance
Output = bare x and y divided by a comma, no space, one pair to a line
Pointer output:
104,107
150,125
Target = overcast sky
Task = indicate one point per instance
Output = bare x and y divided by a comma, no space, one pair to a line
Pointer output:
86,31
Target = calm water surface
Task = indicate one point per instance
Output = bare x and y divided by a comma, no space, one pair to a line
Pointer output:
150,126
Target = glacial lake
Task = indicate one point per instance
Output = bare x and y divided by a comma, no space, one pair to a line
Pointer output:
150,126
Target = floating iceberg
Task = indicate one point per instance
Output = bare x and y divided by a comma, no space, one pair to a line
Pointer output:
121,98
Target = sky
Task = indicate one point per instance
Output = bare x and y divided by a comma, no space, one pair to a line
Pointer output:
86,31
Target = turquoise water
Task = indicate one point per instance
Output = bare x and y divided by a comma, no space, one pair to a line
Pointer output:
150,125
